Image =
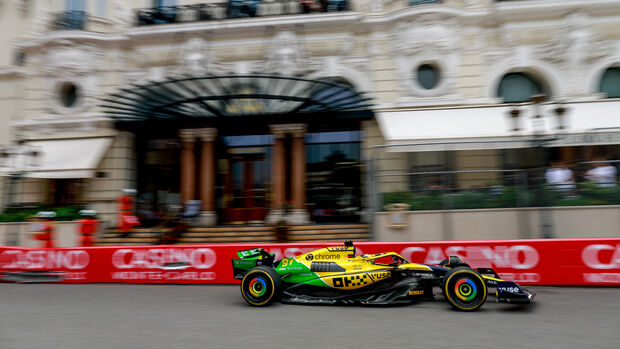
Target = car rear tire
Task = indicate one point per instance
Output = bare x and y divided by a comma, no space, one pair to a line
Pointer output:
464,288
260,286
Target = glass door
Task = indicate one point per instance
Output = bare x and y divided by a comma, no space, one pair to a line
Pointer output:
246,179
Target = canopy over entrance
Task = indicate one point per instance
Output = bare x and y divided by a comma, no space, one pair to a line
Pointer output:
231,95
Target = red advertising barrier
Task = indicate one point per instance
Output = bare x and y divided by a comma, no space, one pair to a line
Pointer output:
529,262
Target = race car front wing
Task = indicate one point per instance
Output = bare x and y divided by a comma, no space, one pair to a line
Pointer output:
511,292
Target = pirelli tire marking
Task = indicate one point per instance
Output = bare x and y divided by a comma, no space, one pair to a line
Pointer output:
464,289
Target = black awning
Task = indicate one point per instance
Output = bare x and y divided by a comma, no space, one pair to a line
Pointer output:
191,97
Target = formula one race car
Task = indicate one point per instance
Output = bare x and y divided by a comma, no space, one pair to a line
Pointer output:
334,275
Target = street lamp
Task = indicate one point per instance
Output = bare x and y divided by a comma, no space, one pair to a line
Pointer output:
15,162
542,136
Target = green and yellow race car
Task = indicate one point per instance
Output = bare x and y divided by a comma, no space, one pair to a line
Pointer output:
335,275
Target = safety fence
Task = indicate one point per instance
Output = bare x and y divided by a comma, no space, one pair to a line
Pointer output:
431,189
529,262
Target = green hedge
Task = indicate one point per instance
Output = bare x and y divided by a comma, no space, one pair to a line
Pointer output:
506,197
63,213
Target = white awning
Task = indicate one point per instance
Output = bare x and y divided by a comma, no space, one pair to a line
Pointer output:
70,158
471,128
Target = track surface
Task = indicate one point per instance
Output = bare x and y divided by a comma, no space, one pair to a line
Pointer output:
215,316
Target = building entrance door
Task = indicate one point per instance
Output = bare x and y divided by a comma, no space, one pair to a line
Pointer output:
246,185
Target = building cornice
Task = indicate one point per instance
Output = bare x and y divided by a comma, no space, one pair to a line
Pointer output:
66,124
73,35
12,72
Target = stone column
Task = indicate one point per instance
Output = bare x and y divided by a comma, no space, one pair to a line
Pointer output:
188,165
208,216
278,176
299,214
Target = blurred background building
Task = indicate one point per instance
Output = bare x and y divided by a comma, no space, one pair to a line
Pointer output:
299,111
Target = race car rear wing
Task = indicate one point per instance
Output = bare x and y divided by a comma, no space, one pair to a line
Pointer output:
249,259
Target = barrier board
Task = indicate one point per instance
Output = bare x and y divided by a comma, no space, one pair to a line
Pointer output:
529,262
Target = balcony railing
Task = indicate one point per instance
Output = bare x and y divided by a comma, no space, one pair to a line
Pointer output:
423,2
235,9
70,20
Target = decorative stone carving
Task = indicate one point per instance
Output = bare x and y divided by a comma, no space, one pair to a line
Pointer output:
428,39
67,63
68,58
286,56
427,33
573,50
491,57
574,44
196,58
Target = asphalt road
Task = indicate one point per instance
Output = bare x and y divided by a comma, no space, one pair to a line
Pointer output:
215,316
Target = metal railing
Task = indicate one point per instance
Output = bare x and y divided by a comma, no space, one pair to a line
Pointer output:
423,2
435,190
511,188
235,9
70,20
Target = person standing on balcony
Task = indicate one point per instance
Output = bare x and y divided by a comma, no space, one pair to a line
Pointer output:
561,178
602,173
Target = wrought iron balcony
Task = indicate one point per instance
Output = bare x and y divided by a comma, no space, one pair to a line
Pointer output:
424,2
235,9
70,20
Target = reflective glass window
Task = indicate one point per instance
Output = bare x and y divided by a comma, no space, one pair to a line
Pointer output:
428,76
518,87
610,83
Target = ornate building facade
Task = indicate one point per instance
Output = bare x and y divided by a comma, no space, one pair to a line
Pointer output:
205,101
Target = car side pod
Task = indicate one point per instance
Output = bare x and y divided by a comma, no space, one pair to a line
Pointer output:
511,292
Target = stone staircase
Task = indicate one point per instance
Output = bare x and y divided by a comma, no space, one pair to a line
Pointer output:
139,236
242,234
329,232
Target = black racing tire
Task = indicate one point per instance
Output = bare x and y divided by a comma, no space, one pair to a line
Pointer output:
464,288
260,286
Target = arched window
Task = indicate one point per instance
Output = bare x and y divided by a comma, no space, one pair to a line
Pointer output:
519,87
610,83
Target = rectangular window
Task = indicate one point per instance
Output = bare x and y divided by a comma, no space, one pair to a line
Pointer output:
75,5
160,3
20,58
101,7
